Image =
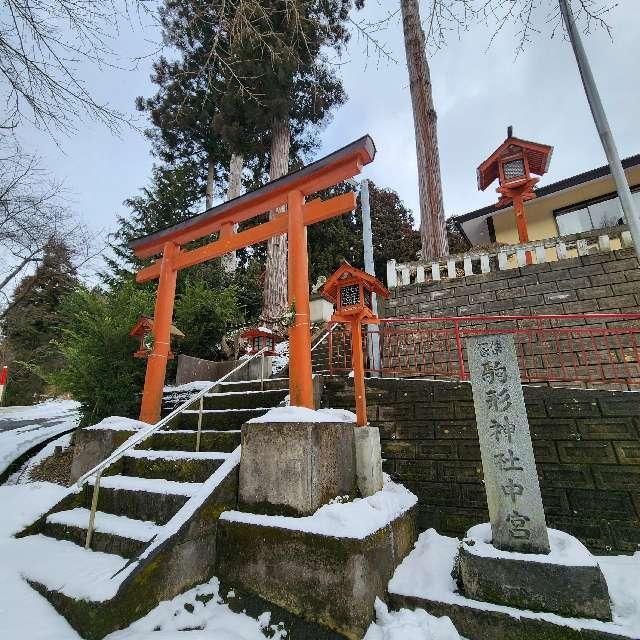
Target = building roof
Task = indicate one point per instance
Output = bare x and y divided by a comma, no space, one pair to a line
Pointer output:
555,187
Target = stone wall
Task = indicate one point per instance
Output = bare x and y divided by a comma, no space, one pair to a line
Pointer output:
191,369
586,444
602,282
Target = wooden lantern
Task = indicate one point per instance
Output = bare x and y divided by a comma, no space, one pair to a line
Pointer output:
514,164
260,338
143,329
351,291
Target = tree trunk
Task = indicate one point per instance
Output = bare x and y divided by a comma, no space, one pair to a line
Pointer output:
210,178
433,228
229,261
275,298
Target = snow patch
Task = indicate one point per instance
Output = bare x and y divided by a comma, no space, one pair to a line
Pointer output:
565,549
356,519
24,613
119,423
48,420
201,611
302,414
409,625
281,360
23,474
426,573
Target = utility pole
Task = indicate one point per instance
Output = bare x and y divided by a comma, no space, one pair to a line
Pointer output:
629,206
367,242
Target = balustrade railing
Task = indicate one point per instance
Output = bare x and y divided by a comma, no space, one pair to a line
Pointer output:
508,257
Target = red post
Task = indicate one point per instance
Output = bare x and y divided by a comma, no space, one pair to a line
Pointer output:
521,223
157,361
3,382
462,372
300,372
357,361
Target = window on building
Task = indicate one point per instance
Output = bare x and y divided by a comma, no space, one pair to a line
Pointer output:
596,214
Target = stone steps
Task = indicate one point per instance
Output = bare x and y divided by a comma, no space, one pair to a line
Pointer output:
182,466
142,550
216,419
185,440
155,500
114,534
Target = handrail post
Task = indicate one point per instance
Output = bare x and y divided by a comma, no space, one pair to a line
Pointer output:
461,371
262,371
198,435
94,506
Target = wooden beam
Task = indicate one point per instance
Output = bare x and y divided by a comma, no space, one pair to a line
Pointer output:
315,177
314,211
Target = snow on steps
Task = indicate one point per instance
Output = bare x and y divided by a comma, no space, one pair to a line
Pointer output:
122,526
63,566
99,592
150,454
184,466
148,485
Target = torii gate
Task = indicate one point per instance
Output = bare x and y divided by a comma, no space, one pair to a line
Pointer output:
290,190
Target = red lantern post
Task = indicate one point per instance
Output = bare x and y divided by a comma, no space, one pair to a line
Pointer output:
513,164
350,291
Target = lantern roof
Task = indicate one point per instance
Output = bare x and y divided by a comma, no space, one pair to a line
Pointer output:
538,158
256,332
329,289
145,324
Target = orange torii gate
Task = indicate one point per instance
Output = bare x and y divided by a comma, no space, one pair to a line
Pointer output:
290,190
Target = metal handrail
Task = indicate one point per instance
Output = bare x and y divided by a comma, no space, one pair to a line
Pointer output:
98,470
323,337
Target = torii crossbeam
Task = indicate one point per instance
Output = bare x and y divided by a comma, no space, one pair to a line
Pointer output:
290,190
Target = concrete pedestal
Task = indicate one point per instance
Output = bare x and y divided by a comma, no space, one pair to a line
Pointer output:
294,468
533,582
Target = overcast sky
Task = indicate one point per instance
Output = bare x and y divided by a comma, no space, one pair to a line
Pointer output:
478,92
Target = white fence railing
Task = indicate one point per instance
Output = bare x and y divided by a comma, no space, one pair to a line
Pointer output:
507,257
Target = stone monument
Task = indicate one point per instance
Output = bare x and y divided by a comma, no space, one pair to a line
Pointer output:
511,481
511,561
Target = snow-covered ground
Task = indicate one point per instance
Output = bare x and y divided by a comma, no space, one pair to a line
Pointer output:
22,475
24,427
426,573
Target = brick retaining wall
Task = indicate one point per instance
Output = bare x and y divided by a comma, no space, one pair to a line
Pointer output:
586,443
586,284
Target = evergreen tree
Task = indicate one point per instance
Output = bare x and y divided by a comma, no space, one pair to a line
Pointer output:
171,198
99,369
276,86
337,239
34,321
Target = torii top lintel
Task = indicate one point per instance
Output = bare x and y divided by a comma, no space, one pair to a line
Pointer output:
328,171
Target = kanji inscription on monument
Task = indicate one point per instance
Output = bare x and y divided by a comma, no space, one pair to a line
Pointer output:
511,481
